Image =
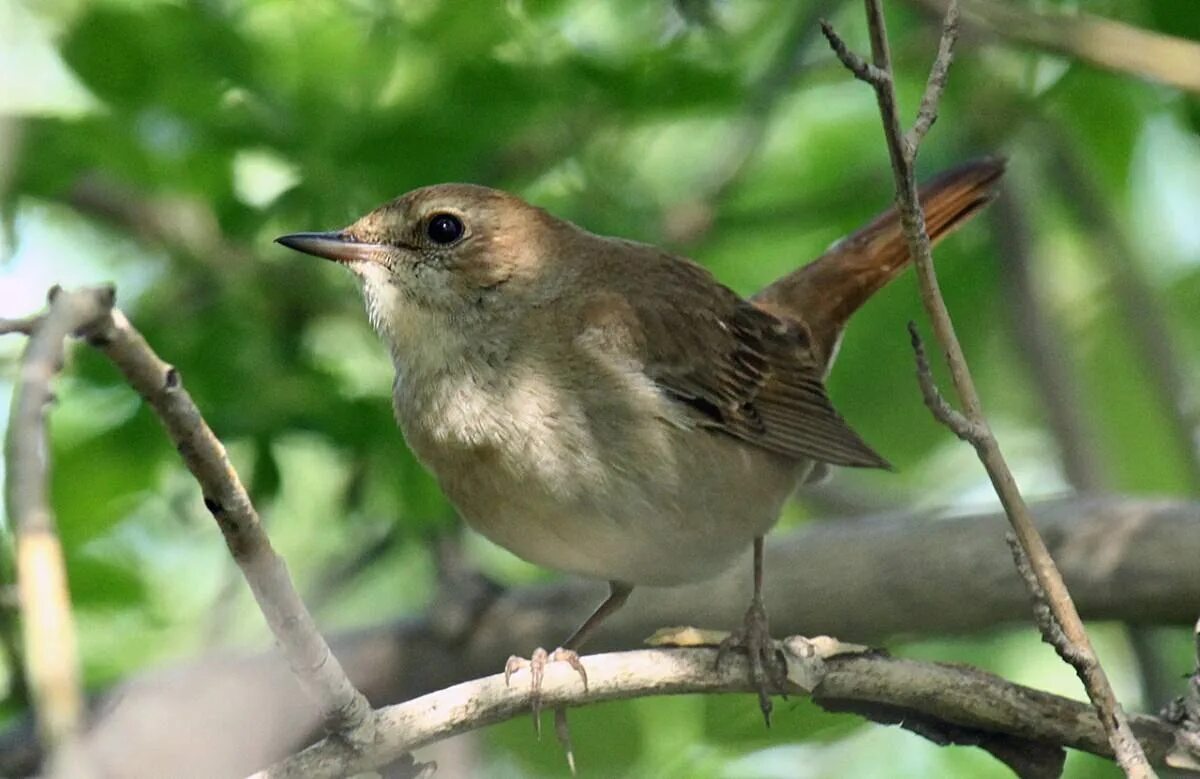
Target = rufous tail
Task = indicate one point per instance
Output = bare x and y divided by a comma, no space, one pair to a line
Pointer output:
826,292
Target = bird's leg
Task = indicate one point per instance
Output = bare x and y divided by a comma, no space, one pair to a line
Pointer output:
618,593
755,639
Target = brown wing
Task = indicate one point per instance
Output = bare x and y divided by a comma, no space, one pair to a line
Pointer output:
739,369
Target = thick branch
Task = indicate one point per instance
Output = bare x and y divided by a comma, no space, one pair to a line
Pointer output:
1080,653
946,698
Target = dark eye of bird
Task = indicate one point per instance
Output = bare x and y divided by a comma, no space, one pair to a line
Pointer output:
444,228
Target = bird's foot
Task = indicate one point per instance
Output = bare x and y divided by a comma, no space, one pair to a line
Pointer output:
762,652
536,664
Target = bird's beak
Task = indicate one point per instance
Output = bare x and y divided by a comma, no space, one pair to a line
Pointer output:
338,247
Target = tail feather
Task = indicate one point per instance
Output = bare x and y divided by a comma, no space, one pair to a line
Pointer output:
826,292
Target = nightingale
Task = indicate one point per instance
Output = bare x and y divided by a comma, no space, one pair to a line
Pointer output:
605,407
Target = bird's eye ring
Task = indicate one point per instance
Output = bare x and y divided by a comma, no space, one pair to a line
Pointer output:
444,229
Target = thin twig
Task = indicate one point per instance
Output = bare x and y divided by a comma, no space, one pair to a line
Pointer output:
1129,754
862,69
946,698
934,400
927,114
1052,632
50,649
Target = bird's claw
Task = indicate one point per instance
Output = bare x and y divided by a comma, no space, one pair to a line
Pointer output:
762,652
537,663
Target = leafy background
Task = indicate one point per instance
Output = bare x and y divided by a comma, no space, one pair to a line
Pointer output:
163,145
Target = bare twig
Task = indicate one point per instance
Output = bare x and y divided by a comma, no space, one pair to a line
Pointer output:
1184,711
50,650
1101,42
862,69
1129,753
935,85
934,400
947,699
1052,632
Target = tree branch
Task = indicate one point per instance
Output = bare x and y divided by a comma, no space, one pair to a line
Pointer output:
947,699
160,385
50,648
937,404
902,153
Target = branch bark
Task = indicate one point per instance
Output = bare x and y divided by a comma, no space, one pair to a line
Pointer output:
950,701
1070,637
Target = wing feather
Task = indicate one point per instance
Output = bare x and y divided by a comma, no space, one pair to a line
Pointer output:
737,368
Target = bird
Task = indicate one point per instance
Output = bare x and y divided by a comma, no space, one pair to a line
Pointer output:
608,408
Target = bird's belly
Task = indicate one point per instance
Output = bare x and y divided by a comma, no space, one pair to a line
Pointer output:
604,546
605,478
671,524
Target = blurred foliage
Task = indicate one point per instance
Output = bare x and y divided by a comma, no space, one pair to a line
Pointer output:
165,143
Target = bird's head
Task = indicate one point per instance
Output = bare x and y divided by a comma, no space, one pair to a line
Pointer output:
445,262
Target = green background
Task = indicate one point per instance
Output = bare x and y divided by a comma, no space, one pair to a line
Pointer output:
163,145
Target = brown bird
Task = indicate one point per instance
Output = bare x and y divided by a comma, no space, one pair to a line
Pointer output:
607,408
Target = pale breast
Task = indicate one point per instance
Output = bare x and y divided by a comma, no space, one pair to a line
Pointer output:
603,478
